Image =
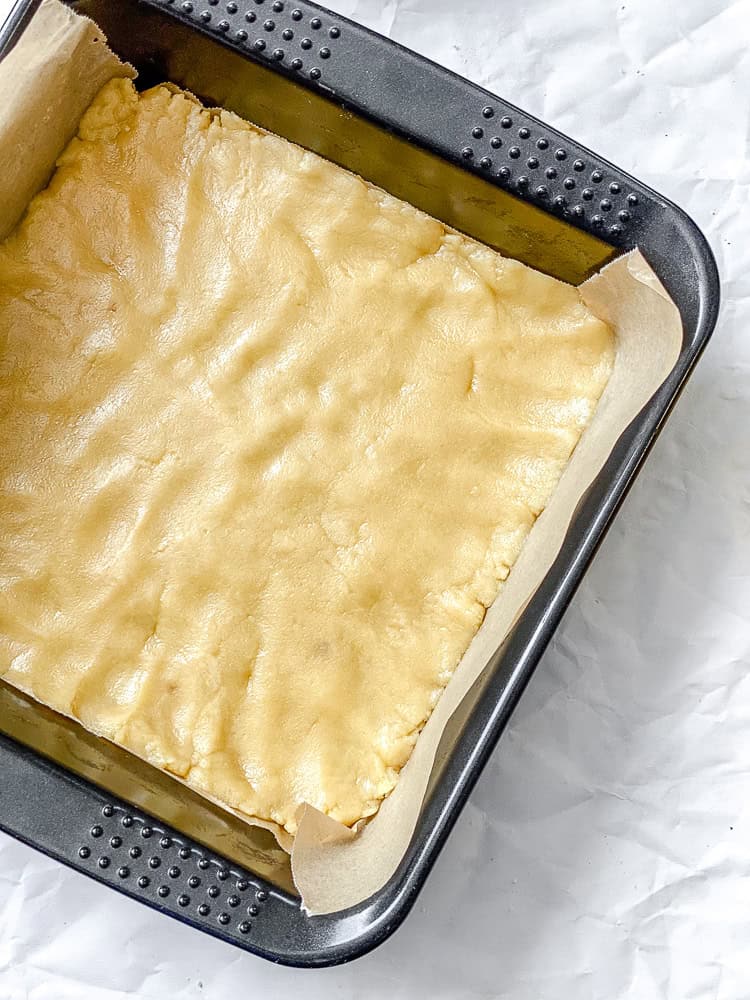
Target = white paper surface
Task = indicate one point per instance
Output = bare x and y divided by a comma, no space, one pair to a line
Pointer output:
605,853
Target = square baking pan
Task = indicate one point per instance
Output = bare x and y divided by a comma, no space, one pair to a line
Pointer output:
484,167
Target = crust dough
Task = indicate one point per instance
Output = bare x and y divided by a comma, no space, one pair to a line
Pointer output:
270,441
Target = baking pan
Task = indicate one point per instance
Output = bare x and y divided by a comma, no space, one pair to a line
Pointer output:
478,164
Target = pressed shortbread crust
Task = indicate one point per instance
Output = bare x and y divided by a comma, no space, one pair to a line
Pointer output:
270,440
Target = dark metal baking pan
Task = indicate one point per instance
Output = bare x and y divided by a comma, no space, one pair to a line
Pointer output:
486,168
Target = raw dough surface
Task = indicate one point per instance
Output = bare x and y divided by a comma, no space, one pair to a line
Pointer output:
270,441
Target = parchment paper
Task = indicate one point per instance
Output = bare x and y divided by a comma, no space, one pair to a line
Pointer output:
45,85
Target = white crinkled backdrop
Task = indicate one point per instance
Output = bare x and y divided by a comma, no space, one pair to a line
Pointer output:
606,850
